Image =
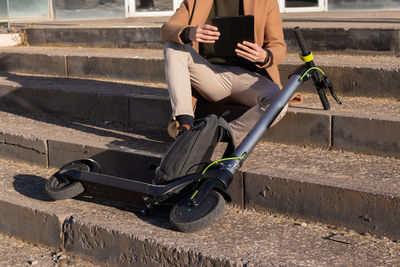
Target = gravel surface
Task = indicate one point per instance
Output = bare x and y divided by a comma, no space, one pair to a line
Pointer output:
358,106
89,52
103,87
15,253
348,19
329,59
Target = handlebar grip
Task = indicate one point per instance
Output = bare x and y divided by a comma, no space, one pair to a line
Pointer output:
300,39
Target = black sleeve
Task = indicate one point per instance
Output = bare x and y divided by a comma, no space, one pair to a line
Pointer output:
185,35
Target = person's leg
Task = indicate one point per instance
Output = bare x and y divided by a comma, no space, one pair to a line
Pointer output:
185,68
256,92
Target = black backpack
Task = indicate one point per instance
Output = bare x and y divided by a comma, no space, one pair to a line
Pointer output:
192,150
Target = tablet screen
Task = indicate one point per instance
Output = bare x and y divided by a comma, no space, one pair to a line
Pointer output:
234,30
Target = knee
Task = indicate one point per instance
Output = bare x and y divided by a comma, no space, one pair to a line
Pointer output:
172,45
171,48
275,89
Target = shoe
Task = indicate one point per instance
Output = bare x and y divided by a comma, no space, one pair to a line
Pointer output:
174,129
173,126
182,129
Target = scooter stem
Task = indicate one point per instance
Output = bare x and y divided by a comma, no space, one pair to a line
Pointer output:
252,138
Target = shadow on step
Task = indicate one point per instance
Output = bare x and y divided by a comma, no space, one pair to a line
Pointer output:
32,186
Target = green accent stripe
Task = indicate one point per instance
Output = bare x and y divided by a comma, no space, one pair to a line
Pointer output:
215,162
194,194
310,69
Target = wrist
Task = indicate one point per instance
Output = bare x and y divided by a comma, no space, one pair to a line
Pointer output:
265,59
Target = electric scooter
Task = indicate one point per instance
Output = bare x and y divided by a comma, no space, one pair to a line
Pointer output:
196,200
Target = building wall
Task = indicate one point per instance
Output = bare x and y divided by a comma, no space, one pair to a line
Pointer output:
3,9
28,8
92,9
363,4
88,9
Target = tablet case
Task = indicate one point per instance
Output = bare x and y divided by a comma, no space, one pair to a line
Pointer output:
233,29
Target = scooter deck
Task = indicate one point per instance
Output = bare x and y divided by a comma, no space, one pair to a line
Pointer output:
130,185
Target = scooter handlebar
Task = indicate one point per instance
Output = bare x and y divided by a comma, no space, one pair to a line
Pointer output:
302,43
305,52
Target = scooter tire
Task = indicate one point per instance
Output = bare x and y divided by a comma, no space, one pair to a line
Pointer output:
192,219
59,187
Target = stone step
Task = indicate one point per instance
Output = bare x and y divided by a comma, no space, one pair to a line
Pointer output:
109,234
135,104
339,188
366,125
341,39
367,76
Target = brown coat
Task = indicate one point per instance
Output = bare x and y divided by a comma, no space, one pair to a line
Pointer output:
267,29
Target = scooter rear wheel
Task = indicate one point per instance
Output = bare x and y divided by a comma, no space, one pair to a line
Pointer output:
60,187
186,218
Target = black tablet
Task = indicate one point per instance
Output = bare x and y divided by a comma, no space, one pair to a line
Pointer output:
234,30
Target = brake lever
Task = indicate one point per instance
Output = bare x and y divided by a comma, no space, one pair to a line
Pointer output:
329,85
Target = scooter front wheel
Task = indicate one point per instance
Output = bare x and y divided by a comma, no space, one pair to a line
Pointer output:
60,187
186,218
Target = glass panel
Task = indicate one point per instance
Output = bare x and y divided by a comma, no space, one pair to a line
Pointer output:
28,8
89,9
356,4
3,9
394,4
301,3
154,5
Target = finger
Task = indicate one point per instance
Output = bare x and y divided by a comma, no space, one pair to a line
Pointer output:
207,37
246,55
205,41
208,32
252,45
210,27
247,49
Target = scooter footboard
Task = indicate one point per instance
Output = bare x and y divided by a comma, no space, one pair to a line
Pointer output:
130,185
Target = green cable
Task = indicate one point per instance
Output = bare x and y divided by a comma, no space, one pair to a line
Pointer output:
215,162
194,194
310,69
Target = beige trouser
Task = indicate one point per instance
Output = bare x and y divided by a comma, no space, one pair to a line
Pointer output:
185,68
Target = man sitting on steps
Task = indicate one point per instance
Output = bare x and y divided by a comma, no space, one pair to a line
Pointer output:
251,79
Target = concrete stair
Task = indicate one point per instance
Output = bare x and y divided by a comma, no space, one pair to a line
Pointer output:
354,40
370,76
109,234
128,86
339,188
338,167
352,126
